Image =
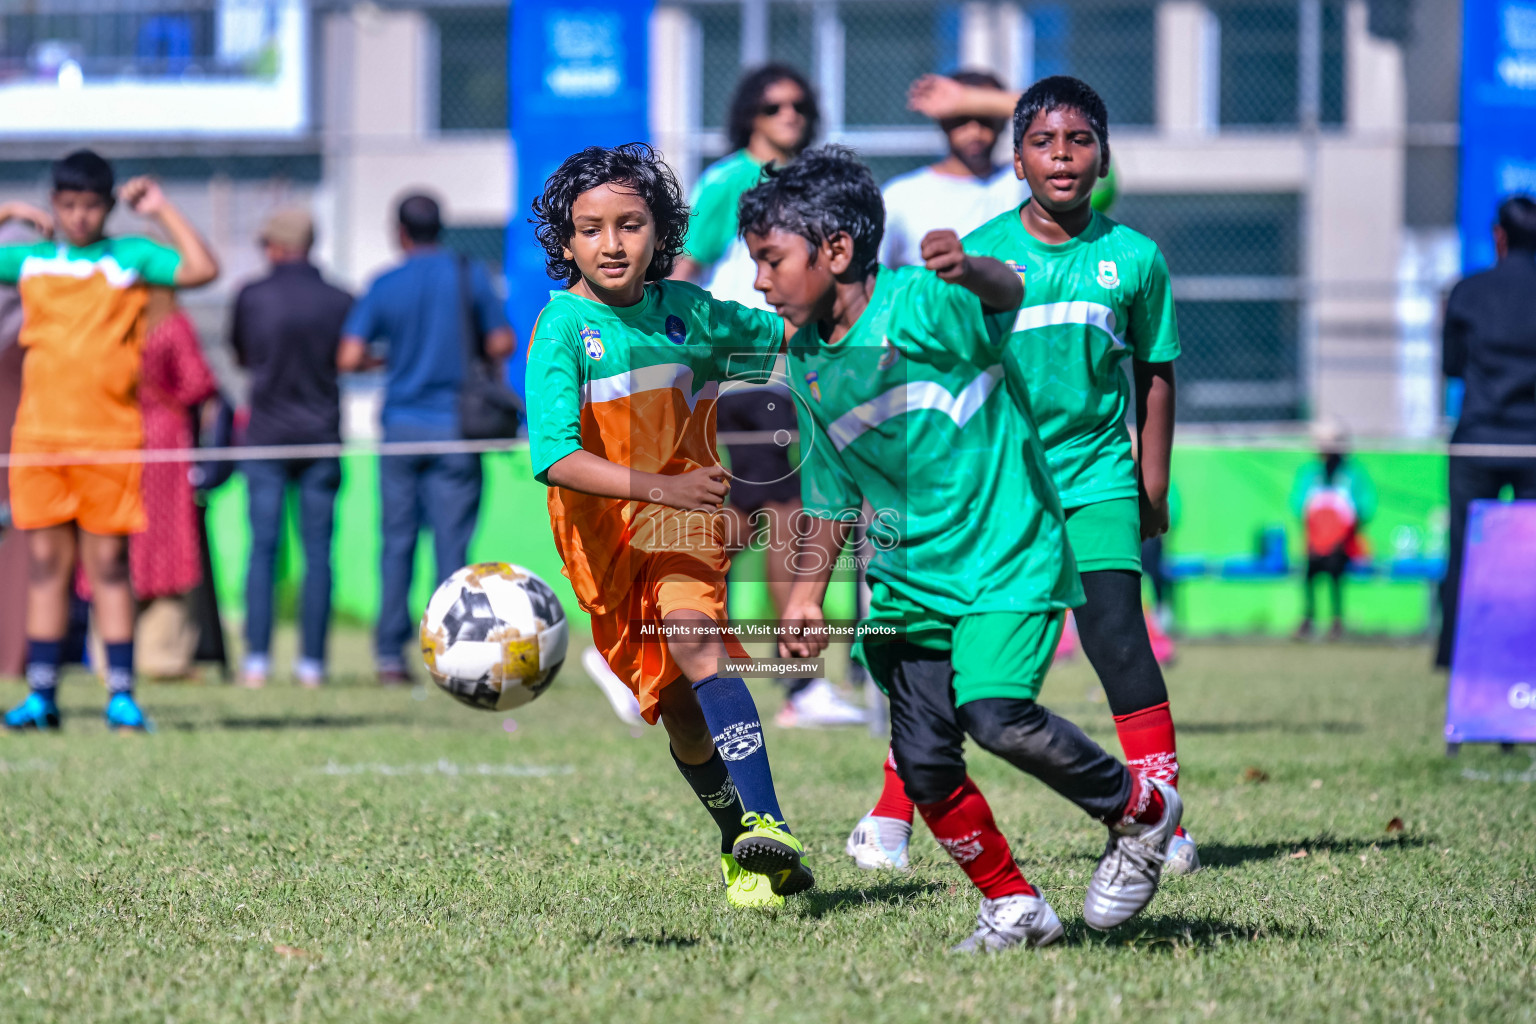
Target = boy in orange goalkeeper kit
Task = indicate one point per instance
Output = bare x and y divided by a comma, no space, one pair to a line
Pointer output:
623,372
82,297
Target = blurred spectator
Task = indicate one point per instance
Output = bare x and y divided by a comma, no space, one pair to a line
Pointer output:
1334,498
961,192
13,545
286,331
166,560
1490,344
419,307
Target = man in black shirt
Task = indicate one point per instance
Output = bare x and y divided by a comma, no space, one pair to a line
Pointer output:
285,330
1490,344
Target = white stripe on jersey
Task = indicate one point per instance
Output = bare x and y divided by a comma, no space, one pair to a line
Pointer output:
1054,314
648,378
914,397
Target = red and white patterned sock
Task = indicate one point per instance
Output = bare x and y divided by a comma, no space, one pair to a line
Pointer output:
962,823
1151,750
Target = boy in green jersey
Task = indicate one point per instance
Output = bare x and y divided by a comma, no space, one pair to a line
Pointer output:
901,406
623,371
1098,293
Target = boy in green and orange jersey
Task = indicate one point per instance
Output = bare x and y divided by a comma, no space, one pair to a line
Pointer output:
623,372
83,296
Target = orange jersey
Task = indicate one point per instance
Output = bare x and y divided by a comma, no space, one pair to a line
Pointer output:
636,386
83,329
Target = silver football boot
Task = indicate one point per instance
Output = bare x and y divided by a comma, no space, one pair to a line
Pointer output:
1126,879
1010,921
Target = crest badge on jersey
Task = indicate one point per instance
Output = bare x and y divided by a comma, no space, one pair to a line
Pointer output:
1109,274
676,332
888,355
815,388
592,339
1014,266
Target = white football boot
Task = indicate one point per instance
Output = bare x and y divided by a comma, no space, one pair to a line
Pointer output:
820,706
1126,879
1183,858
880,844
1010,921
620,697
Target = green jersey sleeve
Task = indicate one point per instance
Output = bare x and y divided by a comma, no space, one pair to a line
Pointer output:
1152,333
156,263
554,395
11,259
746,340
713,224
935,316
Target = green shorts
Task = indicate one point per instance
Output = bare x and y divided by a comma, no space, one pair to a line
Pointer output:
1106,535
994,654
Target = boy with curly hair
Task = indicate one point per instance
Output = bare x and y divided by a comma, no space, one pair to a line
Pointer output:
623,372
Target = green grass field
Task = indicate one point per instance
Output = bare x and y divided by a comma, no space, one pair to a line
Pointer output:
358,855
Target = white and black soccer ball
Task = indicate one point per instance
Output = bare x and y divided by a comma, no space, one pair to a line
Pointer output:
493,636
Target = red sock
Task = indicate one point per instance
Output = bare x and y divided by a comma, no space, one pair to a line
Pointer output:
1146,806
1147,738
962,823
893,802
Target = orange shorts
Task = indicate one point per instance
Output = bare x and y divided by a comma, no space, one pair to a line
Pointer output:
100,499
668,583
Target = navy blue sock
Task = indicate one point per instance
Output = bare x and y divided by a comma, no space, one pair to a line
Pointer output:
43,657
732,719
120,667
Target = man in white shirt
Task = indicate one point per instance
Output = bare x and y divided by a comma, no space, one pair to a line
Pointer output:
961,192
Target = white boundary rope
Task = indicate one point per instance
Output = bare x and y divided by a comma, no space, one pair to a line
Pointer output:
781,438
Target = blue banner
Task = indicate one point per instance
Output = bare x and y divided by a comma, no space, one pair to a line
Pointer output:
579,76
1492,695
1498,117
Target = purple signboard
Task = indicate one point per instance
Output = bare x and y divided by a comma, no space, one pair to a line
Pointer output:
1493,678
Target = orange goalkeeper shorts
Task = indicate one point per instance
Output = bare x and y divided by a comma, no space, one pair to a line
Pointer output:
668,583
100,499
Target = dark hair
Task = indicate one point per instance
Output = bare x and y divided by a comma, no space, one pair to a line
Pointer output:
978,77
421,218
1517,216
825,191
1060,92
633,165
83,171
747,103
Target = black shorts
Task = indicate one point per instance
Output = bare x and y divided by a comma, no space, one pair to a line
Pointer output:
760,473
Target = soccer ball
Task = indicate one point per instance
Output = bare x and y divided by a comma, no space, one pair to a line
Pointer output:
493,636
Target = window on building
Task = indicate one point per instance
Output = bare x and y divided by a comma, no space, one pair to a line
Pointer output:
1260,63
1236,263
1112,47
471,68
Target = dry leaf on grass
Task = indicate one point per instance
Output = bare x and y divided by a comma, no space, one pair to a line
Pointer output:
283,950
1299,854
1253,774
1395,825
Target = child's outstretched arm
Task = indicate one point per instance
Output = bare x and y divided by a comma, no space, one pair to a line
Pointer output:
198,264
991,281
803,609
38,218
702,489
1155,401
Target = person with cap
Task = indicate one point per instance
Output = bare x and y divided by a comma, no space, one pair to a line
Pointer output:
285,331
425,309
1334,498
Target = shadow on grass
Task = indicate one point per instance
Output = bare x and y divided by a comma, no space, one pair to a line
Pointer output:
1296,728
1225,855
821,902
282,722
1152,932
661,941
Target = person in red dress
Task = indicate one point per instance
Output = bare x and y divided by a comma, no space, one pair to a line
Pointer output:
165,562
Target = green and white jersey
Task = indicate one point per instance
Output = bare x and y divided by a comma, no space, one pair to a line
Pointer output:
909,412
1088,304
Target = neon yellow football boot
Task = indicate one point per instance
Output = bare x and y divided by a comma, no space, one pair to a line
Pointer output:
768,849
744,888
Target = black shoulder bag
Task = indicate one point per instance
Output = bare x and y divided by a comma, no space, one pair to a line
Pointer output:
488,409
